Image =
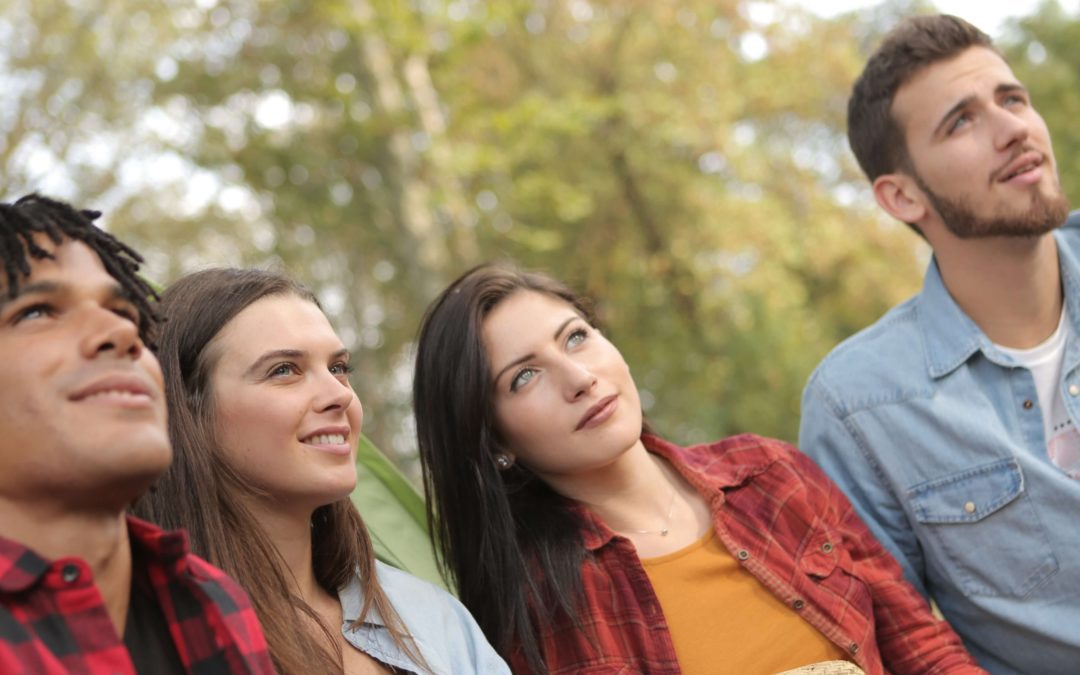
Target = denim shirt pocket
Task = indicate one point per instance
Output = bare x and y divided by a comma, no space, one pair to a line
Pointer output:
985,523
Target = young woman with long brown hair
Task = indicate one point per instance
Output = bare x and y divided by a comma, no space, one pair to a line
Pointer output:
583,544
264,425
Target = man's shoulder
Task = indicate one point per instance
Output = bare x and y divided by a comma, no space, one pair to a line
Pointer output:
883,361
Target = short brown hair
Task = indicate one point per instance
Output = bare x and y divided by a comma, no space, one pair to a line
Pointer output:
917,42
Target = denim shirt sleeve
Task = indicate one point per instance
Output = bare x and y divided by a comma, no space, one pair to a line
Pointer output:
833,441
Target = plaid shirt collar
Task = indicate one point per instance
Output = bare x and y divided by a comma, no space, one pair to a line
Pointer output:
21,567
710,481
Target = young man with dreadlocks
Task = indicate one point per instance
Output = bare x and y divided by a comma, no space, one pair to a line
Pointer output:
84,588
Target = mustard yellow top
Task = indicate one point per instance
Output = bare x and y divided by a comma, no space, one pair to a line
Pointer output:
722,620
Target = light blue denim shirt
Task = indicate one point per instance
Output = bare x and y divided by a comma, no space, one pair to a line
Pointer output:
936,436
442,628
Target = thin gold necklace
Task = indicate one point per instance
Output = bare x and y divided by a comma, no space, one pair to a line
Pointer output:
664,529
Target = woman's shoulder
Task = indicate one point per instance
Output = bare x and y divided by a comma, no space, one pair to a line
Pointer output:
441,626
422,605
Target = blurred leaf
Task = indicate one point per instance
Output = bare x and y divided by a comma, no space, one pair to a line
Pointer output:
393,512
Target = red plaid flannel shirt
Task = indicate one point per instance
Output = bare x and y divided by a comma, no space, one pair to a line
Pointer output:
793,529
53,618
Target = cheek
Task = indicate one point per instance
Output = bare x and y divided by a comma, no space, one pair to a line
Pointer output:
526,423
249,425
355,413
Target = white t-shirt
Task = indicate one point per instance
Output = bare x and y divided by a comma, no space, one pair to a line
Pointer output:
1045,361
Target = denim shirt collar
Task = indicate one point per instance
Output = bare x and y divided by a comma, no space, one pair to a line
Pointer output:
950,335
352,601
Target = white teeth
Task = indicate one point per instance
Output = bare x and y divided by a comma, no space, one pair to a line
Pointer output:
326,439
119,393
1023,169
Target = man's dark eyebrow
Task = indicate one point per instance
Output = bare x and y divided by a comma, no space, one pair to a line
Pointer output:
960,105
1003,88
116,291
523,359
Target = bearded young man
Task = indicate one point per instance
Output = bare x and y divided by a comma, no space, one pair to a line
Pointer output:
950,423
83,588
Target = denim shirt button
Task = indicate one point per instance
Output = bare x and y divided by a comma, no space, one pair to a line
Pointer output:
1074,390
969,507
1028,405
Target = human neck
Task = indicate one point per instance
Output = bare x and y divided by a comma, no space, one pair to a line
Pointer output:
1010,287
100,538
290,533
632,493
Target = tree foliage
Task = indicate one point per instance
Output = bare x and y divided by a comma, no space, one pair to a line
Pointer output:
683,163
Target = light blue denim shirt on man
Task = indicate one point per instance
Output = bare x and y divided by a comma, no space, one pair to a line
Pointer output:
442,628
936,436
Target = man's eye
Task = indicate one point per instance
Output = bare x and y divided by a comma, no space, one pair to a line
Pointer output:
959,122
37,311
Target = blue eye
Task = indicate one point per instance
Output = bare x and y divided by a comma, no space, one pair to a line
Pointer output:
577,337
283,369
341,368
524,376
959,122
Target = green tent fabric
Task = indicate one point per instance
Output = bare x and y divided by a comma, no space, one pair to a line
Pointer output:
393,511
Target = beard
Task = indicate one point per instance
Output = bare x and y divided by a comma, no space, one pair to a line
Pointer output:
1044,214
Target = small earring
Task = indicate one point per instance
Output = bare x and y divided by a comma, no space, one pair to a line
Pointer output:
504,461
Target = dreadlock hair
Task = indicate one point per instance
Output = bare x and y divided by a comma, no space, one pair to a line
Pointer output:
34,214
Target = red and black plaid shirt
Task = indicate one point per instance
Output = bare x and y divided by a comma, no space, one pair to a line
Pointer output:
791,528
53,618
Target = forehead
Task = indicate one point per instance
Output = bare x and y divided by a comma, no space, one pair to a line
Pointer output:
926,97
524,318
278,322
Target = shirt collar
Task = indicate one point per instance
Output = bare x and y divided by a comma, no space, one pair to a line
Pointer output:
352,601
951,337
719,466
21,567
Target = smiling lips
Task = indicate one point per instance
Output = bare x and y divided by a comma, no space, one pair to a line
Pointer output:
333,440
123,390
599,413
1023,167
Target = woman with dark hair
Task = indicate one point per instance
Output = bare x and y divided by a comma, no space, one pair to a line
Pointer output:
264,425
581,543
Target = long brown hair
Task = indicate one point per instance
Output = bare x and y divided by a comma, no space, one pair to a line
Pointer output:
203,494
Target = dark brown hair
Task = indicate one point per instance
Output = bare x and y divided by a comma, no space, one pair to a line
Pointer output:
203,494
508,541
917,42
34,214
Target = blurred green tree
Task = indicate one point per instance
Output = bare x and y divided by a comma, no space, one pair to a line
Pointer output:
682,162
